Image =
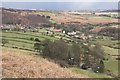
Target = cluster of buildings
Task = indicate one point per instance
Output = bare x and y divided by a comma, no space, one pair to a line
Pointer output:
79,35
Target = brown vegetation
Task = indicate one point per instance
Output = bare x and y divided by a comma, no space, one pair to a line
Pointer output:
83,19
22,18
26,66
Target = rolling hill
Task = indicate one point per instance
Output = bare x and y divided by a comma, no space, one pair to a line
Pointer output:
25,64
22,17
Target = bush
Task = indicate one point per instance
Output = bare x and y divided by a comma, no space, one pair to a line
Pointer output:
37,40
4,41
75,53
62,63
52,35
48,17
37,46
56,50
32,39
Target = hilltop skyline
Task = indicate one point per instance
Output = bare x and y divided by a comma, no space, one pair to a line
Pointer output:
62,5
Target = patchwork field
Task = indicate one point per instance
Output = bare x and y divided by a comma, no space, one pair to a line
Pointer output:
83,19
64,17
21,59
23,40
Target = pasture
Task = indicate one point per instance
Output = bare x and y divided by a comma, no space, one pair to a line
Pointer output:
23,40
89,73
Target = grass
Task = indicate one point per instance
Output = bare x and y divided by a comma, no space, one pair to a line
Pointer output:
22,63
90,74
108,45
52,21
6,49
110,51
112,65
27,35
97,17
22,40
106,42
109,65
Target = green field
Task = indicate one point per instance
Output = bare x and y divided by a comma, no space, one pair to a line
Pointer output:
90,74
106,41
76,70
112,66
110,51
22,40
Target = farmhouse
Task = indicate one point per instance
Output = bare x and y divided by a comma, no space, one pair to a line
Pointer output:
52,29
83,36
71,33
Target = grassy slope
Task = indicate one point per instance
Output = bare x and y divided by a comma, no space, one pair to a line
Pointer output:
22,40
110,51
15,39
90,74
21,63
112,65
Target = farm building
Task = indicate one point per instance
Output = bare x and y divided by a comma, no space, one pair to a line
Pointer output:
52,29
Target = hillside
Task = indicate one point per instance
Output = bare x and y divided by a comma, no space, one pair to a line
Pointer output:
23,18
26,65
31,17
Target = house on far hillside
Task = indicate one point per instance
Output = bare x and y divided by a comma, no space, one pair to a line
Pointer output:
53,29
71,33
83,36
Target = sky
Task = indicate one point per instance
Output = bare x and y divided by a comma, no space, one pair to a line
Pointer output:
62,5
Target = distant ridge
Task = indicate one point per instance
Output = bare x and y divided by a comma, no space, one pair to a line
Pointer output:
15,16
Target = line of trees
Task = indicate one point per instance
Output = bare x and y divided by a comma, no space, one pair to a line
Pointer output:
110,31
72,54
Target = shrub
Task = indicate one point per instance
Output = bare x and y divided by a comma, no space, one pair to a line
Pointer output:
37,40
32,39
48,17
37,46
62,63
56,50
4,41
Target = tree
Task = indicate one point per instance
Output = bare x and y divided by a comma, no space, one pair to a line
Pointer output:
37,40
32,39
58,26
37,46
98,54
55,50
4,41
70,59
43,16
60,49
47,45
98,51
75,49
101,65
48,17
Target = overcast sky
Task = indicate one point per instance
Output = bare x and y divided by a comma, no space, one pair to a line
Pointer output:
62,5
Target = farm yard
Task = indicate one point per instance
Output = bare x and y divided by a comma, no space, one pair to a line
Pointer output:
77,45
